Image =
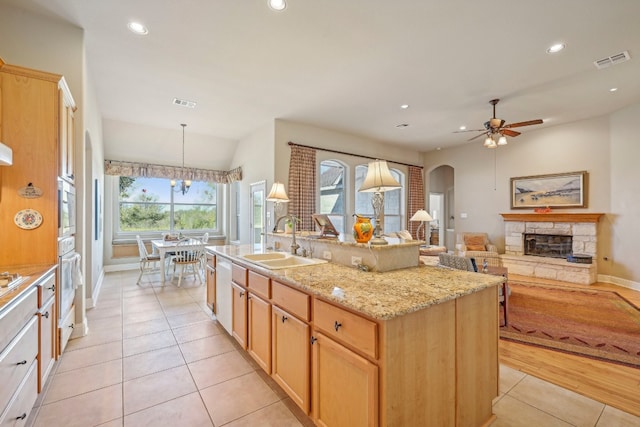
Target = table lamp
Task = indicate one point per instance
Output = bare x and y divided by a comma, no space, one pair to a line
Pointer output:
278,196
377,181
422,216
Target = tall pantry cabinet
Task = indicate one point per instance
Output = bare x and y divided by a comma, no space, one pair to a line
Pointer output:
36,122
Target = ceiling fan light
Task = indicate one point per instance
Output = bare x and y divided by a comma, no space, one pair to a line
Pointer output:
488,142
502,140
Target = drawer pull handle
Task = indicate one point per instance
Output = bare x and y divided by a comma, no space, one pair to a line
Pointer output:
22,417
313,339
24,362
52,288
72,326
337,325
241,294
46,315
284,318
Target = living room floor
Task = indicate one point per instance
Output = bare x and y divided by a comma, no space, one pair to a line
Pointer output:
155,357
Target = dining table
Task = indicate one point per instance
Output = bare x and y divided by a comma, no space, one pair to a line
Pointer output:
163,247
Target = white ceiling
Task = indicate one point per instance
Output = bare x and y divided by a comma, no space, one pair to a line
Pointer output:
349,64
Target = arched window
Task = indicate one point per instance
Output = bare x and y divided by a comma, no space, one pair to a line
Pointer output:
393,211
332,192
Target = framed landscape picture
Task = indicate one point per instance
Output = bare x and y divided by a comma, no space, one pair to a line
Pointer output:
560,190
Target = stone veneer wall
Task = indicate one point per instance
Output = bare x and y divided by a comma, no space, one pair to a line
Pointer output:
584,242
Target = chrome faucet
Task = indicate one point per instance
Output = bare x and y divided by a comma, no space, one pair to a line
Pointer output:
294,245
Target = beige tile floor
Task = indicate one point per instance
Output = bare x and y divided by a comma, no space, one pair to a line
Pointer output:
154,356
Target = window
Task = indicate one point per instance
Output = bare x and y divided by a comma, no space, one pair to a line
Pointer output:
332,192
150,205
393,210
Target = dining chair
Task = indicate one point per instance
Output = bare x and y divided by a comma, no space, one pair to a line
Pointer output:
148,262
203,258
189,258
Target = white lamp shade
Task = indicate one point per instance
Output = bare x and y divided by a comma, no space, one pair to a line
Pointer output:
277,193
421,215
379,178
6,155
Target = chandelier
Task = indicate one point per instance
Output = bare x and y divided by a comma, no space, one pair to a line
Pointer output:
186,183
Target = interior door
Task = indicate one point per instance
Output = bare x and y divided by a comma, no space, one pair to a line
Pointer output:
258,216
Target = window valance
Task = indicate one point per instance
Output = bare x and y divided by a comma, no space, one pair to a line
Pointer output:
133,169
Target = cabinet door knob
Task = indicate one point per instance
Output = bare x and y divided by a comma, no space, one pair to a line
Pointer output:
24,362
241,294
284,318
22,417
337,325
313,339
46,315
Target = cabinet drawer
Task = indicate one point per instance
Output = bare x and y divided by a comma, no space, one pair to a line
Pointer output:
17,412
259,284
13,318
351,329
239,275
66,328
46,290
16,359
295,302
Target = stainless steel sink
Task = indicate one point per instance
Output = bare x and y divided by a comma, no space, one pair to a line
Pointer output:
281,260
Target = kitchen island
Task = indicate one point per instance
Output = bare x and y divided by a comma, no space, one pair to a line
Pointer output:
416,346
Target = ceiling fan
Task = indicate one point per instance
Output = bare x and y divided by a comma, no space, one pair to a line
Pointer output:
495,126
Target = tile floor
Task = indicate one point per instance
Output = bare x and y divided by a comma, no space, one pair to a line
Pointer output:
154,356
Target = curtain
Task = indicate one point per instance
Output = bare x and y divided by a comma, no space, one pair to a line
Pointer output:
416,200
302,185
131,169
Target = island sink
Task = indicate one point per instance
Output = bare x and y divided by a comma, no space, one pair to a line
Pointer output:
281,260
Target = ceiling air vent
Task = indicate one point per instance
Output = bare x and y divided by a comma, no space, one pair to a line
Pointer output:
612,60
184,103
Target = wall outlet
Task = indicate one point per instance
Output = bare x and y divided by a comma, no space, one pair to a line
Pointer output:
356,260
326,255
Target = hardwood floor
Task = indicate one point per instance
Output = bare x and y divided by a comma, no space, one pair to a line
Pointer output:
610,383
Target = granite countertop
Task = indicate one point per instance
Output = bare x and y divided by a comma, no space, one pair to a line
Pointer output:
378,295
30,275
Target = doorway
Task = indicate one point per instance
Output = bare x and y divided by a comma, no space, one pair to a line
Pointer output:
258,215
436,205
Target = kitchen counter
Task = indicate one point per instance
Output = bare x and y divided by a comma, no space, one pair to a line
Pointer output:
381,296
30,275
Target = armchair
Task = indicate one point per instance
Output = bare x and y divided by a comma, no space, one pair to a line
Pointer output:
477,245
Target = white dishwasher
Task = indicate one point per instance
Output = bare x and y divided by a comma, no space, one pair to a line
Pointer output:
223,292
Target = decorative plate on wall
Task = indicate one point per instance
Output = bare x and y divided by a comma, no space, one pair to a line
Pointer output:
28,219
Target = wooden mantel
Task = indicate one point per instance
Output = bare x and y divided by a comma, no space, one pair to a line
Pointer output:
552,217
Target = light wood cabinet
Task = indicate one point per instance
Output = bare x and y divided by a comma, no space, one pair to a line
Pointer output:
345,386
239,314
259,333
434,366
290,366
67,135
211,282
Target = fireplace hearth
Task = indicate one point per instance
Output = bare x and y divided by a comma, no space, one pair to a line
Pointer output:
548,245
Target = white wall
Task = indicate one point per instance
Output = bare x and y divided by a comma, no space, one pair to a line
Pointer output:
625,195
255,154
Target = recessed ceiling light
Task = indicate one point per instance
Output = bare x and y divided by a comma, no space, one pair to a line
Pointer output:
404,106
137,28
555,48
462,128
278,4
402,125
613,89
439,148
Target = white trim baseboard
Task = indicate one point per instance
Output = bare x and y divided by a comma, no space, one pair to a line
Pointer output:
618,281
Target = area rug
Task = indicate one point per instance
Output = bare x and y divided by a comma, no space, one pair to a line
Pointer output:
593,323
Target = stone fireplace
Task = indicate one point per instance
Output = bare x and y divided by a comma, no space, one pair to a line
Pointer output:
537,245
